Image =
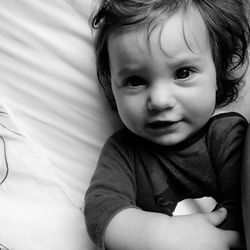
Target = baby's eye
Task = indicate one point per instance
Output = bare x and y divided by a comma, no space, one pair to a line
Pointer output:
183,73
134,81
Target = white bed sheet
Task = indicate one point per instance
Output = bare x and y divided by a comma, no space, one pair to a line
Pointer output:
47,80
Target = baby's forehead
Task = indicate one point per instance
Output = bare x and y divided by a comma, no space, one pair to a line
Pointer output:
169,32
186,28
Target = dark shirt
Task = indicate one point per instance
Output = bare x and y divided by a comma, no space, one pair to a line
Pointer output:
134,172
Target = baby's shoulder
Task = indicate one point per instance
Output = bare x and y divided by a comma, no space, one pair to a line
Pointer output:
227,121
226,127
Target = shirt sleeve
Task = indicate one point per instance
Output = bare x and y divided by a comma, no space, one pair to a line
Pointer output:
112,189
226,136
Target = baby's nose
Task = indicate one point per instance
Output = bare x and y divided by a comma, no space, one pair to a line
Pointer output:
161,96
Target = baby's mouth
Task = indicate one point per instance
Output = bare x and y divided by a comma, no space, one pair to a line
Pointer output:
156,125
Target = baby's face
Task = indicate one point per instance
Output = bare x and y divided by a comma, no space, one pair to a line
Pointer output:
165,90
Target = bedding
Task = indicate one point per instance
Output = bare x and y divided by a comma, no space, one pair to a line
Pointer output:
53,122
49,89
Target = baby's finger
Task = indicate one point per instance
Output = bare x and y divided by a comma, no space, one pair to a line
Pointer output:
217,217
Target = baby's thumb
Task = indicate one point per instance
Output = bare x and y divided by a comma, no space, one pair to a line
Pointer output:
217,217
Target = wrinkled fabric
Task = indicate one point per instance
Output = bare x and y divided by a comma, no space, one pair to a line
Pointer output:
48,81
36,209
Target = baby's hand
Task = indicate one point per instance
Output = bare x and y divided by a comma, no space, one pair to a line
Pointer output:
199,231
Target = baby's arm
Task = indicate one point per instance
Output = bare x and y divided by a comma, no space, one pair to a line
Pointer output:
134,229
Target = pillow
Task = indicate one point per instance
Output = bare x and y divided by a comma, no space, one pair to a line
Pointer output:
54,121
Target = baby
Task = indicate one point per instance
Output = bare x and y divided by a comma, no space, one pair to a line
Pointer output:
165,66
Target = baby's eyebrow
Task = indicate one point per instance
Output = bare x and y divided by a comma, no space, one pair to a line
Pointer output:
192,59
124,71
128,70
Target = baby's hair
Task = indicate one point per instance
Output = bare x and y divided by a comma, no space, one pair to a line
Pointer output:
227,25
